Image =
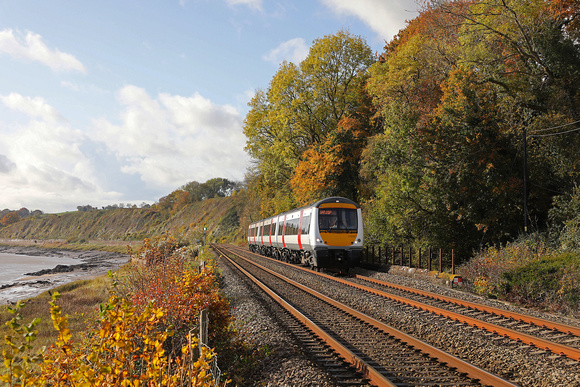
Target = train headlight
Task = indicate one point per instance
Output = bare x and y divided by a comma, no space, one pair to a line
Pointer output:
318,240
358,240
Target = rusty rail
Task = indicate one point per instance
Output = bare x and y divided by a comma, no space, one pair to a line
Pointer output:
556,348
472,371
359,364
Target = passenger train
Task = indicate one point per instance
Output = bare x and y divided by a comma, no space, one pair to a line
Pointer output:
325,234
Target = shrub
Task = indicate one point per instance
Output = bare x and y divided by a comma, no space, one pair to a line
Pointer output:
552,283
527,271
126,349
484,272
172,278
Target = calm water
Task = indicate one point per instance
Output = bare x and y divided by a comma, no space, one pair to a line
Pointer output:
14,266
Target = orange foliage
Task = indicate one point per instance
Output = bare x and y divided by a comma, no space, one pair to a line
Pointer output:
170,280
9,218
569,12
432,20
330,168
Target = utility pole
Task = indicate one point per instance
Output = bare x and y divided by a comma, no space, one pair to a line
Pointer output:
525,182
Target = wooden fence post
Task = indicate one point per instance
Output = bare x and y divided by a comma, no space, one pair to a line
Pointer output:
386,254
452,261
203,325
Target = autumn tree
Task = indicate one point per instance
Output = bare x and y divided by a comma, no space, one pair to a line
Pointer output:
301,107
9,218
216,187
407,86
331,167
455,89
530,52
174,201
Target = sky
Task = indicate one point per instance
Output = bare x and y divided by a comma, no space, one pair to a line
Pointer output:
124,101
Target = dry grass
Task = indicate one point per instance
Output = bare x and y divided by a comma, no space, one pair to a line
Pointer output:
527,272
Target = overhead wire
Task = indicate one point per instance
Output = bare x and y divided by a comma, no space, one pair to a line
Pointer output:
554,134
554,127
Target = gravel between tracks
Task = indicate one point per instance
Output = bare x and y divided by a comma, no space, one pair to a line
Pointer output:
521,364
286,365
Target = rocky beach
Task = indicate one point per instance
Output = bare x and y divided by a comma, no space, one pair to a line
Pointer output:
90,264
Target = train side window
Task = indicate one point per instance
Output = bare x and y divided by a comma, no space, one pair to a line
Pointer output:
292,226
306,224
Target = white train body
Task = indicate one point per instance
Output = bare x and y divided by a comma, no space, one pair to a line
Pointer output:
325,234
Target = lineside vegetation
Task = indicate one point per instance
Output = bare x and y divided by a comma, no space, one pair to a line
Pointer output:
143,334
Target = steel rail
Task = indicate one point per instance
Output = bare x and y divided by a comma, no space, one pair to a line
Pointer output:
359,364
482,308
547,345
472,371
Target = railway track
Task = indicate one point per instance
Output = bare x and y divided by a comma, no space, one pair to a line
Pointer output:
547,335
544,335
378,353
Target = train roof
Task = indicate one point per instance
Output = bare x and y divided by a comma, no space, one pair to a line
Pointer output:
332,199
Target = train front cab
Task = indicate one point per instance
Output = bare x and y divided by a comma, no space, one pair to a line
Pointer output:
340,235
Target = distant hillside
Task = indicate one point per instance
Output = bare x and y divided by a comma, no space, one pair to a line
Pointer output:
220,215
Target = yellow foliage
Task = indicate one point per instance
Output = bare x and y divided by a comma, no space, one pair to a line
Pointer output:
125,350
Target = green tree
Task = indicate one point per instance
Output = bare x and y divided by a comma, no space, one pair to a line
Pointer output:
302,106
455,89
530,51
216,187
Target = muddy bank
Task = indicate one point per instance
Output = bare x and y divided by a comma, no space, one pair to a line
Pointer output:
91,264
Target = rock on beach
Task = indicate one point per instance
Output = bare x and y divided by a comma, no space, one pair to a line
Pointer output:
91,264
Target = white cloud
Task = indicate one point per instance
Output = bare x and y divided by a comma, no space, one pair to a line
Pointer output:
255,4
171,140
34,107
293,50
70,85
6,165
33,48
42,162
384,17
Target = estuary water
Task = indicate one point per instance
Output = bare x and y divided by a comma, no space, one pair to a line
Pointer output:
14,266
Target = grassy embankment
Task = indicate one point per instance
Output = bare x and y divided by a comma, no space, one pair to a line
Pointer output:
221,216
530,272
79,300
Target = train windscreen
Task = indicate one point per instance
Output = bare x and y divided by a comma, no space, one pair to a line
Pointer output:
337,219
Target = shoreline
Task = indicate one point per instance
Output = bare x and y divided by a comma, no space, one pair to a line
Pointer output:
92,263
